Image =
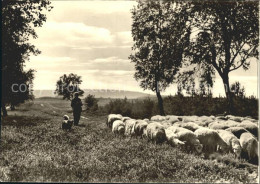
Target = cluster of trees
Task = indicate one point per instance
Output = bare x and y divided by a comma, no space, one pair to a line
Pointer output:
204,37
182,106
19,18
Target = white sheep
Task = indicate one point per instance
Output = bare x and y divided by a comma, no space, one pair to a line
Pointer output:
129,127
139,127
166,124
172,119
190,126
186,136
118,127
234,118
249,126
217,125
125,118
203,123
210,139
189,118
111,118
147,120
232,141
237,131
204,118
158,118
230,123
249,145
170,136
155,132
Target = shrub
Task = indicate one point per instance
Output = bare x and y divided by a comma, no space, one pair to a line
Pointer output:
91,103
179,105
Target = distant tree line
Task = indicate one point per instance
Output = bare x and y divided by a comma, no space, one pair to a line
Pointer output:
179,105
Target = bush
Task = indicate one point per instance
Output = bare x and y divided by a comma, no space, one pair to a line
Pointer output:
91,103
179,105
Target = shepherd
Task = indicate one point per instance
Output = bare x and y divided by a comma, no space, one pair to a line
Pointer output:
76,105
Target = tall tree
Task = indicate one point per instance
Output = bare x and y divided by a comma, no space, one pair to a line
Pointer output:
225,38
67,85
158,44
19,18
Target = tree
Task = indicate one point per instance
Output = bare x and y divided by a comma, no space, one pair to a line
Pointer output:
67,85
91,102
23,90
226,38
238,89
19,18
158,44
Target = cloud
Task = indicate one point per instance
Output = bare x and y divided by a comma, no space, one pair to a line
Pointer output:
92,7
73,35
125,37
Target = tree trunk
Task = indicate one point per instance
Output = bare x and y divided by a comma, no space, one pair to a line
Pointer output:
12,107
4,110
225,79
160,103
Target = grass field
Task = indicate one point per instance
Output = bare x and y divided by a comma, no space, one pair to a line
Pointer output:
34,148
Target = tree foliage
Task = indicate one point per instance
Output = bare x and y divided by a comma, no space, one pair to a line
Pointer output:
158,44
237,89
19,18
91,102
67,85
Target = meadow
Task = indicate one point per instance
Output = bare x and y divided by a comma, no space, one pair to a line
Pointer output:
34,148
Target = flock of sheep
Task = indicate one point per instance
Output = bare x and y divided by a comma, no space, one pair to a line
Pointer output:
223,134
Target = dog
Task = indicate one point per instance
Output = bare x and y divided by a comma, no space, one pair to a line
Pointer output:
66,123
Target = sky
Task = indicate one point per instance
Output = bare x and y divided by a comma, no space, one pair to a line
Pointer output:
93,39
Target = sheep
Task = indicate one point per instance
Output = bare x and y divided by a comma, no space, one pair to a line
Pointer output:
166,124
221,117
125,118
251,119
146,119
190,126
172,119
203,123
155,132
204,118
210,139
129,127
251,127
140,127
217,125
118,127
187,119
158,118
66,123
230,123
186,136
232,141
234,118
237,131
249,145
170,136
111,118
212,117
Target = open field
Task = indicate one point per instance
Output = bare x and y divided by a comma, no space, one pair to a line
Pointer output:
34,148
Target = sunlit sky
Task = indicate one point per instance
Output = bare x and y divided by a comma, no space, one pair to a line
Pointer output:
93,39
